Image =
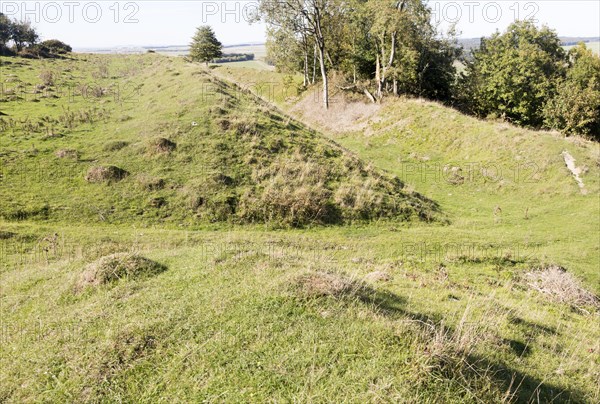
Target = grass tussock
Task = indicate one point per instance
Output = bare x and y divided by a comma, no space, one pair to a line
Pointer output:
119,266
67,154
561,286
105,174
5,235
161,145
323,284
378,276
150,183
115,145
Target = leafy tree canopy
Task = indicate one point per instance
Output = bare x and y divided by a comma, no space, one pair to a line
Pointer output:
205,46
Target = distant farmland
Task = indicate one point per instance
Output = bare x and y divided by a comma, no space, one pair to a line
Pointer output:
594,46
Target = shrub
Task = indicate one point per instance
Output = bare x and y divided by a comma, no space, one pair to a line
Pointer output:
6,51
234,57
514,74
47,77
56,47
576,108
31,53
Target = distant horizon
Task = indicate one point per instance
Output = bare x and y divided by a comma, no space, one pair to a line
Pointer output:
236,45
93,25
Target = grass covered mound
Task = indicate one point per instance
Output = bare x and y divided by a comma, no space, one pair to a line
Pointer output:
207,150
105,174
114,267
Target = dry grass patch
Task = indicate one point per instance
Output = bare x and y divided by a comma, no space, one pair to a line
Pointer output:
378,276
67,154
105,174
560,286
118,266
321,284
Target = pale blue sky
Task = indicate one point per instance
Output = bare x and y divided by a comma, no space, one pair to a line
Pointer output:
114,23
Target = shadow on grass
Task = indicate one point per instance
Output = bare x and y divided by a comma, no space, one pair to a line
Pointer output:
523,388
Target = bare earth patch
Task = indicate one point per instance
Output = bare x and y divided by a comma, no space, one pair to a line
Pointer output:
342,116
576,171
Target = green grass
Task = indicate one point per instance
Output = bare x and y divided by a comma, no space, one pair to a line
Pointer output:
520,171
253,64
226,320
180,154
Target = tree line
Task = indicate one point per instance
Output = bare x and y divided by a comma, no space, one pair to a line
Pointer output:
20,38
384,48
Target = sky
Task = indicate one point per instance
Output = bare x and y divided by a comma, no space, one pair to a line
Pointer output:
95,24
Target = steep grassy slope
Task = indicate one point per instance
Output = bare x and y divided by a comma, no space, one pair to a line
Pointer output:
497,183
153,140
373,311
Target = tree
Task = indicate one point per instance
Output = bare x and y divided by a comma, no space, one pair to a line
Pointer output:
22,33
305,19
285,51
5,29
514,74
56,47
411,55
205,46
576,107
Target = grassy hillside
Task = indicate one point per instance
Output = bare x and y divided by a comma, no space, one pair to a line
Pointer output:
462,309
495,181
153,140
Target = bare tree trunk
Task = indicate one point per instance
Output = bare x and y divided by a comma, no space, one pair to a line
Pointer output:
368,94
305,84
314,75
395,87
330,61
378,78
324,77
320,40
382,69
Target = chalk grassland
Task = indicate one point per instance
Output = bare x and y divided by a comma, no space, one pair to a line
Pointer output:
494,180
449,309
